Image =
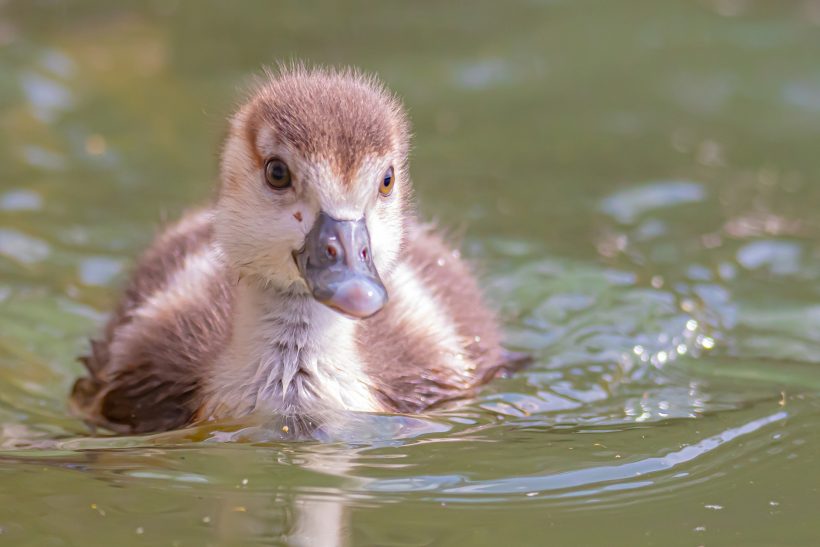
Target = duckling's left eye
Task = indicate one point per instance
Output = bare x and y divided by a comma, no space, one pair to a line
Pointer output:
386,187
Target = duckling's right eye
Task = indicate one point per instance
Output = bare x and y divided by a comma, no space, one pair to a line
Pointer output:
277,174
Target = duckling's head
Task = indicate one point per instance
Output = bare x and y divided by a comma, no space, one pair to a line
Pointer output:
315,189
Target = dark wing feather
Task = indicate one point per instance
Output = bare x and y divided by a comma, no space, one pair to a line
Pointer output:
151,381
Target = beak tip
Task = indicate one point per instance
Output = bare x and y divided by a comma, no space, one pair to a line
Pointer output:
358,298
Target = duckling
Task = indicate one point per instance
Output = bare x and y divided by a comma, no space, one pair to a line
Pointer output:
310,286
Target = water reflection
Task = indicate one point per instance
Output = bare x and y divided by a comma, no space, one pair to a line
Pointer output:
42,158
99,270
20,200
47,97
21,247
628,205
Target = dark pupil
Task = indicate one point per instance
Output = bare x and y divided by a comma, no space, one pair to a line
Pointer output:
387,180
278,171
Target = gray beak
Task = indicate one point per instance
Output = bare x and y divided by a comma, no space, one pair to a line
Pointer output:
337,266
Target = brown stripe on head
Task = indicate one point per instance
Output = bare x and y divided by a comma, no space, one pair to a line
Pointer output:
251,130
339,116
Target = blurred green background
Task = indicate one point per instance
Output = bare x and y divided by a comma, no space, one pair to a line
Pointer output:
638,180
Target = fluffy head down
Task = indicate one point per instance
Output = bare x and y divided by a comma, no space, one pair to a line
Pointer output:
338,132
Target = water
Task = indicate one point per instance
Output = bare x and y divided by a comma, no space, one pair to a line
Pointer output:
638,181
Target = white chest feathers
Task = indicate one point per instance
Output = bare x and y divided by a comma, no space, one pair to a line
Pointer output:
290,355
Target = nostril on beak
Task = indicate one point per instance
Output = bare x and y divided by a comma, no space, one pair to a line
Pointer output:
364,254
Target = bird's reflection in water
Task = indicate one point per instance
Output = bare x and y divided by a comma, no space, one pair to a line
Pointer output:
317,516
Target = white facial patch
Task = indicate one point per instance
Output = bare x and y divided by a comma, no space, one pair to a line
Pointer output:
259,227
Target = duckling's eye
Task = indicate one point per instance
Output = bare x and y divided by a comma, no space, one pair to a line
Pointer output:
277,174
386,187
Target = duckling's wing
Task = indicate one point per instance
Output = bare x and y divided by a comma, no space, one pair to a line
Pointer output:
144,374
436,340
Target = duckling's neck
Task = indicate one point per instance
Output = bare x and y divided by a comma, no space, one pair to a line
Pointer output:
288,354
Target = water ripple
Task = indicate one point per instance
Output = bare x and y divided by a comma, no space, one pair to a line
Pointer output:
594,480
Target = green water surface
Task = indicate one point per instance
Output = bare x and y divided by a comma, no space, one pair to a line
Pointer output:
639,181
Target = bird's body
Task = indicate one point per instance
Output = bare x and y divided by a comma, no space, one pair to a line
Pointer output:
303,290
